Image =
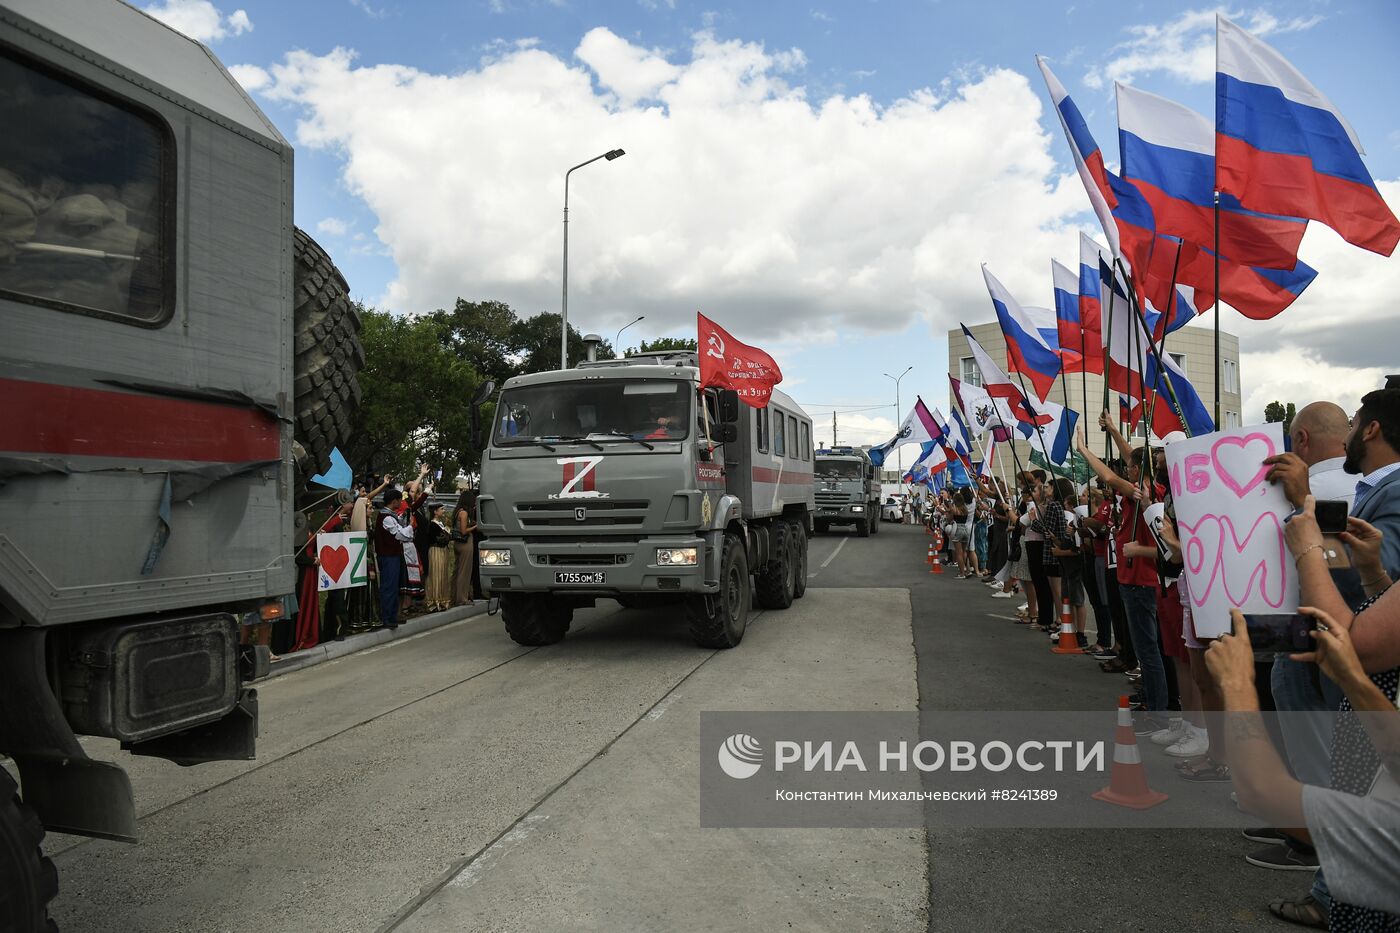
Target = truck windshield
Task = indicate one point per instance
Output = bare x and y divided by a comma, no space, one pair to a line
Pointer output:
838,469
597,410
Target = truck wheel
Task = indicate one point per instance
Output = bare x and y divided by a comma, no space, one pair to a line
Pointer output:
799,550
327,351
863,527
774,585
874,523
720,620
535,619
30,879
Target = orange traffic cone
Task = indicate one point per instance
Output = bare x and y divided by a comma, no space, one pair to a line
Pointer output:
1127,783
930,552
1069,639
937,565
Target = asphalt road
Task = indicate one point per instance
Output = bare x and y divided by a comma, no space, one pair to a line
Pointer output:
456,781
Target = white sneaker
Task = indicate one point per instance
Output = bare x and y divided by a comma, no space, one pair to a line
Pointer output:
1023,607
1175,732
1001,596
1195,743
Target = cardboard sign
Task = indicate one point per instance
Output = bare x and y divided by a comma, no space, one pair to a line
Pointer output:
1230,521
342,555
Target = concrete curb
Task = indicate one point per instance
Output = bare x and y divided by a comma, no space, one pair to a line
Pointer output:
310,657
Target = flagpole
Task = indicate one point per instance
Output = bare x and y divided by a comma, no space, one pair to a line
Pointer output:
1049,463
1163,318
1108,352
1217,308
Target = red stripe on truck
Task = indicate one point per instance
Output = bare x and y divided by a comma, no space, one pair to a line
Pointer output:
39,417
786,477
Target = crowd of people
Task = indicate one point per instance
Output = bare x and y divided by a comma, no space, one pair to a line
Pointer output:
1326,781
421,558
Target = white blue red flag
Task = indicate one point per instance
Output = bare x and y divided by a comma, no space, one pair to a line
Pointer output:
1134,371
998,385
1075,342
1282,147
918,427
1027,351
1088,158
1169,155
983,412
1056,438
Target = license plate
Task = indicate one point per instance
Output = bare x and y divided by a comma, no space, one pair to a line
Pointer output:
828,511
586,577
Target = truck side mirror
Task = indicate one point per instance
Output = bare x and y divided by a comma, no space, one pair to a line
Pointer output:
726,433
483,392
728,406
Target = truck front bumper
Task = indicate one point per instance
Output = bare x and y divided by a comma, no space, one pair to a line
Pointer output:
844,515
540,565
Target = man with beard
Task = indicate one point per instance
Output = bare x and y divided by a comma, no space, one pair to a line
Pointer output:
1373,454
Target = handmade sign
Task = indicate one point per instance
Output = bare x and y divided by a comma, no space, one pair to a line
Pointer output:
342,555
1230,522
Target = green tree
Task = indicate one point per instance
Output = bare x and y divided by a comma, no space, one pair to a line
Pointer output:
536,344
1278,411
416,398
666,343
482,333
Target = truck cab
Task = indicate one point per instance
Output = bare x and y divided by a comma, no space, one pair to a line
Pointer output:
626,480
847,490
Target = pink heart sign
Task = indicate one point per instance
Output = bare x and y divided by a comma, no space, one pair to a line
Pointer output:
1236,457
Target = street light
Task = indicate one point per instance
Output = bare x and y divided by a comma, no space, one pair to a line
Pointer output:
640,317
899,449
564,308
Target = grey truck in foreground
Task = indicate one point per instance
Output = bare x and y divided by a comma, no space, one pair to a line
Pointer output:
625,479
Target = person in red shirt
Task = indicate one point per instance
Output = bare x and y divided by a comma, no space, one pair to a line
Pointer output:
1137,569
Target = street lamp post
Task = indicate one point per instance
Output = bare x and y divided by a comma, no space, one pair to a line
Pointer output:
899,450
564,307
640,317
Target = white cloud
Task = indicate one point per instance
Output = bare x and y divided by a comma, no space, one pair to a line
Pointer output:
370,11
251,77
200,19
738,194
1184,47
332,226
1294,374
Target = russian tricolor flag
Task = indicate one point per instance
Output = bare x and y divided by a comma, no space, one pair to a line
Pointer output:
1088,158
998,385
1076,342
1282,147
1169,155
1027,351
1133,371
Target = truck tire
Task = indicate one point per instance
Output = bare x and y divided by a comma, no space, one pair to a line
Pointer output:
30,880
799,549
720,620
327,352
535,619
863,527
874,523
774,586
821,527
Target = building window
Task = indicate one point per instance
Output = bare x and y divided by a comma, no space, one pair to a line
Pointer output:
806,441
1230,376
87,210
778,445
792,438
970,373
1232,420
1179,359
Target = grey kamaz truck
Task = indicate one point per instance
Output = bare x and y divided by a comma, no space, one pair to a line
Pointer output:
176,359
847,490
624,479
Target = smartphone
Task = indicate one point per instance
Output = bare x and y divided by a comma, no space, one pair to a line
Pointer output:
1280,632
1332,516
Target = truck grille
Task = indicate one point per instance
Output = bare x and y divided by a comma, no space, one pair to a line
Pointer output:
561,513
833,500
582,560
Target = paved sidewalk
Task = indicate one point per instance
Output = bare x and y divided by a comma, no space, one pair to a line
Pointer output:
329,651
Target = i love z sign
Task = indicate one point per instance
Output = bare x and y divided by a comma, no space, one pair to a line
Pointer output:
1230,521
342,558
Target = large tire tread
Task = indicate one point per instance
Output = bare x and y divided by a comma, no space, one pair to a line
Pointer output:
713,629
534,619
29,876
799,531
328,353
774,586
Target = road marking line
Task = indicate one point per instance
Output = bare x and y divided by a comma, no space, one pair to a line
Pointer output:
834,553
993,615
472,873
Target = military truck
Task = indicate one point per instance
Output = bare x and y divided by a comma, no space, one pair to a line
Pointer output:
177,357
625,479
847,490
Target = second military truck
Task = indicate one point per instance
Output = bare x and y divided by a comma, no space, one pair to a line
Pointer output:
625,479
847,490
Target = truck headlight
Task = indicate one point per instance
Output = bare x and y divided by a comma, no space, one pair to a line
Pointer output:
857,508
495,557
686,556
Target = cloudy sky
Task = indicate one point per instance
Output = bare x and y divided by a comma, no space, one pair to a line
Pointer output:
823,177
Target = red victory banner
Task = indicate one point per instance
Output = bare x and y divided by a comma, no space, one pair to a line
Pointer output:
730,364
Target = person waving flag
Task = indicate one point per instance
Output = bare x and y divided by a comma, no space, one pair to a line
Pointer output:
1283,148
